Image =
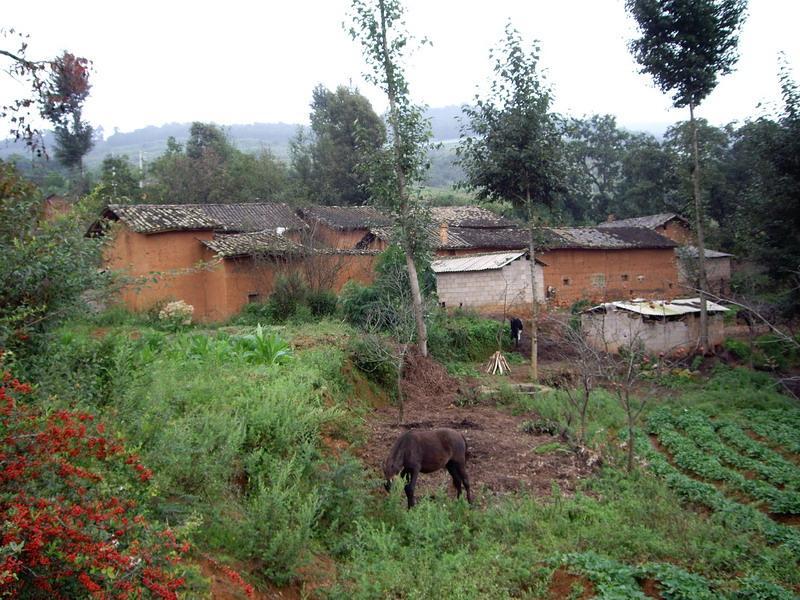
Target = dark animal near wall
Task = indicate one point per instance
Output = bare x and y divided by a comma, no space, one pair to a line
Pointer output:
516,330
427,451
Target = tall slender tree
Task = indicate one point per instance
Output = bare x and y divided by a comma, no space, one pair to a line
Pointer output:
512,147
395,176
685,45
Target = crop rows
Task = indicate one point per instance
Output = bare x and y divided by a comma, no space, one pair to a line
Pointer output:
781,427
740,517
740,451
614,580
690,457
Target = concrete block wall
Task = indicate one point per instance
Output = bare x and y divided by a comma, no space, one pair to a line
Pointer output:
492,288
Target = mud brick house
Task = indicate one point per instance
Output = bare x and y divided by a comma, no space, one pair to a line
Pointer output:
676,228
490,283
216,257
580,263
587,263
660,326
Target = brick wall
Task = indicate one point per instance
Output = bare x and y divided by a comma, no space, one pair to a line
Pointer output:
677,232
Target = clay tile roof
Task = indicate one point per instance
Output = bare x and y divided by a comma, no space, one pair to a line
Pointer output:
650,221
245,244
346,217
155,218
605,239
243,217
469,216
256,216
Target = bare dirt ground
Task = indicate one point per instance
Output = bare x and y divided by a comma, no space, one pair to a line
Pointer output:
501,457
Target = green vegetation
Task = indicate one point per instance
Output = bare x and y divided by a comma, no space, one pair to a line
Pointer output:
238,443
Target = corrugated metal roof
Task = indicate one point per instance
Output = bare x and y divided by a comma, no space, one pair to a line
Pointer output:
649,221
660,308
475,262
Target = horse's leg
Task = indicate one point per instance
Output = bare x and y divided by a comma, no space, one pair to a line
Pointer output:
453,470
410,486
462,473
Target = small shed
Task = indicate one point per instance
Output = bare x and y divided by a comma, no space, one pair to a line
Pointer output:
489,283
659,325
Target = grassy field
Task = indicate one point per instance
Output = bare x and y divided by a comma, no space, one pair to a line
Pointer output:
255,448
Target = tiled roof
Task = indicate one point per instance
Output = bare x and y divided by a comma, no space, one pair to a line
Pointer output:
551,238
268,243
244,244
155,218
346,217
650,221
604,239
469,216
243,217
253,216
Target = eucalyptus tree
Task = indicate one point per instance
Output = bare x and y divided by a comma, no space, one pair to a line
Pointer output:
512,146
395,174
685,45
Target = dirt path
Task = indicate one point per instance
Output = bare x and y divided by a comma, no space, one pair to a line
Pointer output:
502,458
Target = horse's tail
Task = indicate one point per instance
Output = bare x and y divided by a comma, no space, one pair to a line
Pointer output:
466,447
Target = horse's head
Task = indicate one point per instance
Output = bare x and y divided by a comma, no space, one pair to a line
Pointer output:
390,471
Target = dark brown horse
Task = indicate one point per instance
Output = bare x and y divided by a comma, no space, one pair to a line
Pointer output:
426,451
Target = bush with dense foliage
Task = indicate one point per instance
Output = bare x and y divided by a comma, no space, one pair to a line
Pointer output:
69,508
45,265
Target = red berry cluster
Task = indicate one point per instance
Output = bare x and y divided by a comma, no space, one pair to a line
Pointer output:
69,525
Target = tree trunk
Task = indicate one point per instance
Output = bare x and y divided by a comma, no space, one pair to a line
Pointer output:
701,245
534,303
416,298
391,92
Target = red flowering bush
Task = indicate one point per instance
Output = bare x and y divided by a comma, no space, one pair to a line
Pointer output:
68,513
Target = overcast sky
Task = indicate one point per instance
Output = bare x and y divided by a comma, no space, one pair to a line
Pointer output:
244,62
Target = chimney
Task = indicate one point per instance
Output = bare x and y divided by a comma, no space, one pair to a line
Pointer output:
611,218
443,233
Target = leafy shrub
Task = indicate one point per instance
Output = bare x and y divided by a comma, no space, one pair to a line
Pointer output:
464,337
322,303
373,355
540,427
740,350
254,313
71,526
290,292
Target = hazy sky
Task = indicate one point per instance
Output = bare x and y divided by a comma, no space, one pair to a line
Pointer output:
243,62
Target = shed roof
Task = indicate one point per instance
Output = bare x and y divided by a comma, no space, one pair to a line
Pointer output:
691,252
476,262
241,217
660,308
649,221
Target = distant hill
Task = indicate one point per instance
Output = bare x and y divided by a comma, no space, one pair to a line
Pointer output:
152,140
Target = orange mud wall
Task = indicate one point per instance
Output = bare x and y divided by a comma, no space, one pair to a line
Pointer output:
170,266
677,232
329,237
161,267
608,275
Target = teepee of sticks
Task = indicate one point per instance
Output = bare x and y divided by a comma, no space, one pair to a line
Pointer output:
497,364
